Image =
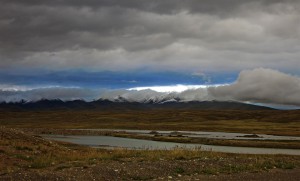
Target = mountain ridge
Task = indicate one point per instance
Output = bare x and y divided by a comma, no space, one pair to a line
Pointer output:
54,104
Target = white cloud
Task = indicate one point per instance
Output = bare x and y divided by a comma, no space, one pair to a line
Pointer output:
262,85
168,89
9,95
257,86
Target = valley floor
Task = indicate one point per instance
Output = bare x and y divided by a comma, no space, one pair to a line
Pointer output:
24,156
274,122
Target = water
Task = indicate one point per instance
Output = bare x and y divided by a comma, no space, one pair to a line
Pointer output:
111,142
205,134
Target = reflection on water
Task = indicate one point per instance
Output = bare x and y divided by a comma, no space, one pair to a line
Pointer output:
110,142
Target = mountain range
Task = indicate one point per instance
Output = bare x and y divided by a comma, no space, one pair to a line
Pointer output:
45,104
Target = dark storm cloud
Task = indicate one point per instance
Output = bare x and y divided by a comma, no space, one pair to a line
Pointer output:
128,34
158,6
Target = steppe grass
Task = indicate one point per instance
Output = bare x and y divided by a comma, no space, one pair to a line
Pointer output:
255,122
61,156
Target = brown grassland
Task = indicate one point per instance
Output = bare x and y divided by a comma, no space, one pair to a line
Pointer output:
254,122
27,157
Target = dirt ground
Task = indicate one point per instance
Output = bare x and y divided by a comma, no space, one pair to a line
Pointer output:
150,171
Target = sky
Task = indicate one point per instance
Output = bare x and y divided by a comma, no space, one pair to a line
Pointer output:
240,50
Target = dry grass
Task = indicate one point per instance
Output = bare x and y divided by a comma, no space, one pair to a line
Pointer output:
267,122
221,142
19,151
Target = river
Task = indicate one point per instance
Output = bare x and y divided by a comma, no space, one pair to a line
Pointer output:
130,143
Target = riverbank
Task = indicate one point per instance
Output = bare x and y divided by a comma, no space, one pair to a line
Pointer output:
27,157
175,137
220,142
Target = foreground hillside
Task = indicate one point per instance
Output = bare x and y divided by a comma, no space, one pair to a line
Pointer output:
27,157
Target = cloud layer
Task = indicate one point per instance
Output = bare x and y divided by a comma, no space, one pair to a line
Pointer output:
47,93
256,86
262,86
210,35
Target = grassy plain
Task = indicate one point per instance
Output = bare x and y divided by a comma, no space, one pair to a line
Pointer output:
26,157
253,122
